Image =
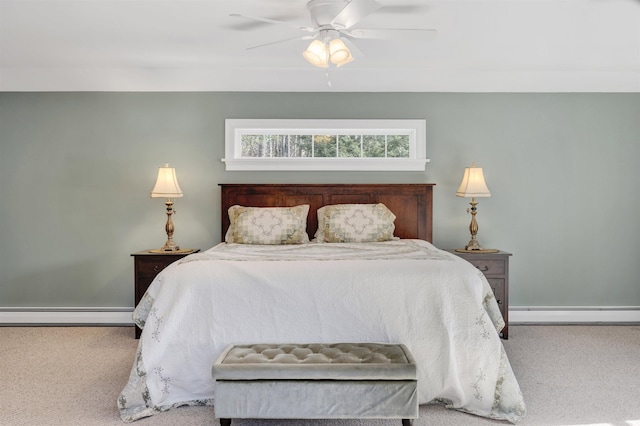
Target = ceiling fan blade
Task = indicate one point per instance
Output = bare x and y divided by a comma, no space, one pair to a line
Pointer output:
307,37
401,34
354,11
271,21
403,9
352,44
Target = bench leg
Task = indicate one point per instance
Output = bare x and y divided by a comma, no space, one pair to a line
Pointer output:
406,422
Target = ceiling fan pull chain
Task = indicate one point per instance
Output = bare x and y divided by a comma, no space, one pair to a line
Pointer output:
326,74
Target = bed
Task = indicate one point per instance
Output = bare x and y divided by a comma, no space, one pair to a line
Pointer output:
345,288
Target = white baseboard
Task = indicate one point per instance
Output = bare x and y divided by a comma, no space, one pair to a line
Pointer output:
574,315
517,315
66,316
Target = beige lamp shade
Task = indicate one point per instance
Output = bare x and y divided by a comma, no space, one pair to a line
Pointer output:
473,184
167,184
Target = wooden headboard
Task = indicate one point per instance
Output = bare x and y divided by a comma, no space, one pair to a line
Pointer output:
411,203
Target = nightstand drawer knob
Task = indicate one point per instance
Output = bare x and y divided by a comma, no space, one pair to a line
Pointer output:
499,301
157,268
485,268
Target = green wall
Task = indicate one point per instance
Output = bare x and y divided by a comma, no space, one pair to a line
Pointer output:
76,170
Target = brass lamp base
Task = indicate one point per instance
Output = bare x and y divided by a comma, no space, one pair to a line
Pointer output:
478,251
170,246
176,251
474,246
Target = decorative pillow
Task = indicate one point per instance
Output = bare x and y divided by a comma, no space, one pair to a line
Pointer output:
355,223
268,225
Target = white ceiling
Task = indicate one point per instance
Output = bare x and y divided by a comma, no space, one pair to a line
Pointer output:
185,45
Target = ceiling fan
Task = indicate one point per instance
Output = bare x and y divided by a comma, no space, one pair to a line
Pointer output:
335,21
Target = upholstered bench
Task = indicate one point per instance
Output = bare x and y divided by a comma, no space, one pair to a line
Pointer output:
316,381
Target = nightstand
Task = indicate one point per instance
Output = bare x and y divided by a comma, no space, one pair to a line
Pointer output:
147,265
495,267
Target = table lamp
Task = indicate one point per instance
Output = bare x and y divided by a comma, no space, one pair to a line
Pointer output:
167,187
472,186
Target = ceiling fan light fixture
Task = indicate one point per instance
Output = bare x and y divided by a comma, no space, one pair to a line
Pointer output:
333,22
316,54
339,53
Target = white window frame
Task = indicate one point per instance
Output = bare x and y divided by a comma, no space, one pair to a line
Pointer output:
235,128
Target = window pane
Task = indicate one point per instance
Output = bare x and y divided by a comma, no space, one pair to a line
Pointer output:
268,145
300,146
373,146
324,146
274,146
398,146
252,146
280,148
349,146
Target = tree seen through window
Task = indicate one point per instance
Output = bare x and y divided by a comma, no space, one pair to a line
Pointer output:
325,146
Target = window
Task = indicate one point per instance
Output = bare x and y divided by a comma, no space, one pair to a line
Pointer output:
325,145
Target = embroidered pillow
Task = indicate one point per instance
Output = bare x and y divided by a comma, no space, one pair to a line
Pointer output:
355,223
268,225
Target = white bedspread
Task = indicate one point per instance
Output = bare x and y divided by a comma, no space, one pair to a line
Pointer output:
403,291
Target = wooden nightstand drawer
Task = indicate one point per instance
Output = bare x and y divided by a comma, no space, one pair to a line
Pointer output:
146,268
488,266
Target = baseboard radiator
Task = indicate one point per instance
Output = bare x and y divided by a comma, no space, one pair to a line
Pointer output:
66,316
122,316
574,315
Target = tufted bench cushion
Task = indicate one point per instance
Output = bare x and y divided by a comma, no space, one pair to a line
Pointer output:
316,380
341,361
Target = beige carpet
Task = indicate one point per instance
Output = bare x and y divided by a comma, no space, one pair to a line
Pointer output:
569,375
